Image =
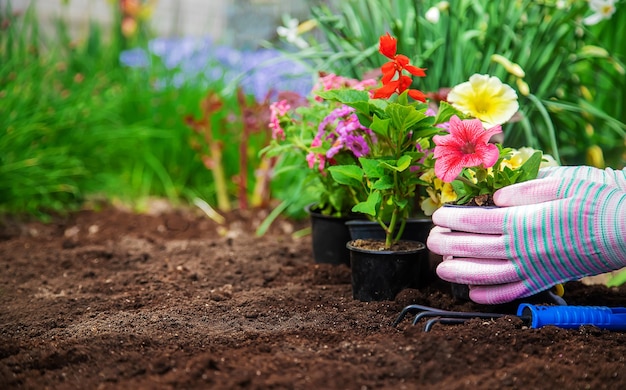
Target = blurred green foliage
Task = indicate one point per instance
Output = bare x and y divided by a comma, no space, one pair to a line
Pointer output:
75,124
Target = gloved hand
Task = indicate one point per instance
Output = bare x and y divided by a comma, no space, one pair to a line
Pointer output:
547,231
606,176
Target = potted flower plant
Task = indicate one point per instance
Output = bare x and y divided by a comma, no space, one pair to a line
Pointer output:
403,126
405,157
310,135
469,161
467,157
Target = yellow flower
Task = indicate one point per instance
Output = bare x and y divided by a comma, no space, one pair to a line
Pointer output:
428,176
486,98
447,193
517,158
520,156
438,193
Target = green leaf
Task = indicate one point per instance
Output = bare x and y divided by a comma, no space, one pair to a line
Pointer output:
350,175
617,280
403,118
384,183
446,111
463,191
403,163
371,168
401,203
530,168
370,206
359,100
380,126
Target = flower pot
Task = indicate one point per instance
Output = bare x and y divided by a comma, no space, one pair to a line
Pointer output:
329,236
379,275
416,229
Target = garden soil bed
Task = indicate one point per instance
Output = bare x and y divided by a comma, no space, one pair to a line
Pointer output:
110,299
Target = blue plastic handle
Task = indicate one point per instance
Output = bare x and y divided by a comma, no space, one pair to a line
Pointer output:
568,317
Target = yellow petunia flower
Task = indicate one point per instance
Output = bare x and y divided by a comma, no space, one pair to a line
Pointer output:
486,98
438,194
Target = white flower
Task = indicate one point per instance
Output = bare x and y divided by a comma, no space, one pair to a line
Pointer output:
602,9
291,34
432,15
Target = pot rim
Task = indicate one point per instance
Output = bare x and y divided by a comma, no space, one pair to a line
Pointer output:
421,247
309,210
370,222
467,205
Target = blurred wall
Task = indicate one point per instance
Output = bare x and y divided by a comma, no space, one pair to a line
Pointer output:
240,23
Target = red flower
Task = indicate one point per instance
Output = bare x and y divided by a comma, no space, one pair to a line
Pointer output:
467,145
393,80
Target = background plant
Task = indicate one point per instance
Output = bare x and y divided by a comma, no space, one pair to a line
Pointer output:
570,76
89,119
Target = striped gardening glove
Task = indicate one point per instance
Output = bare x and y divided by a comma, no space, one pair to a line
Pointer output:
609,176
547,231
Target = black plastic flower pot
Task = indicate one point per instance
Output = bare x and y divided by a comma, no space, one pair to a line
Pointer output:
416,229
379,275
329,236
460,291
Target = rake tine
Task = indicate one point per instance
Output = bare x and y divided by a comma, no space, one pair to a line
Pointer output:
442,320
413,309
459,315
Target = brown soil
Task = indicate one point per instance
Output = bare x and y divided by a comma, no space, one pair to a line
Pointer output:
379,245
115,300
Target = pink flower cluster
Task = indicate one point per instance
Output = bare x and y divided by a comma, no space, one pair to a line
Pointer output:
344,132
278,109
330,81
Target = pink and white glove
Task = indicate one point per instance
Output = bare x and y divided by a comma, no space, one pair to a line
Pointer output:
608,176
547,231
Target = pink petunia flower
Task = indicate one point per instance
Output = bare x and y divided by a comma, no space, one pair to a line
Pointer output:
467,145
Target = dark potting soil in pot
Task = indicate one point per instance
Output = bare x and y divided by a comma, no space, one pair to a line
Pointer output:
379,245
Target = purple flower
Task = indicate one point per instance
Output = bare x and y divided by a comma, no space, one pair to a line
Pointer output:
260,72
336,148
343,129
357,145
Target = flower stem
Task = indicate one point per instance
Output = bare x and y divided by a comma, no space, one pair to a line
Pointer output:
389,236
467,181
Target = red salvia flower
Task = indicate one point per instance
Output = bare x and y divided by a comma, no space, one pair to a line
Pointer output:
393,80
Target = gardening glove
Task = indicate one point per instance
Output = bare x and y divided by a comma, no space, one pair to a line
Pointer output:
606,176
547,231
